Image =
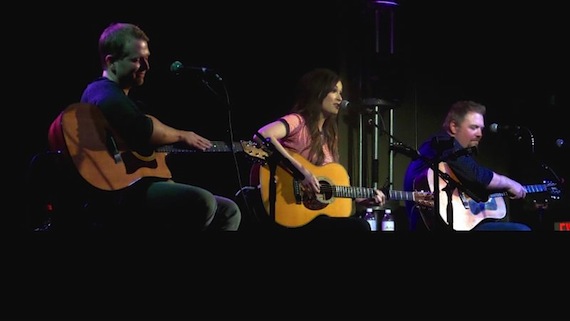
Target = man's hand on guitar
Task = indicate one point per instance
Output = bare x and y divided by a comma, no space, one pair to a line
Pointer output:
516,191
196,141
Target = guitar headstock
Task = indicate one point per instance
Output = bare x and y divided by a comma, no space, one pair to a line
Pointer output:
553,190
423,198
550,191
254,151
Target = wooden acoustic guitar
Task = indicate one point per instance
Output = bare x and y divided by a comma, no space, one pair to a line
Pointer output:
467,212
102,158
294,207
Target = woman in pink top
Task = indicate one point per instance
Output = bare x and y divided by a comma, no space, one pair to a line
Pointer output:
311,130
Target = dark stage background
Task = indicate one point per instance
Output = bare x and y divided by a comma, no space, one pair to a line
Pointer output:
512,58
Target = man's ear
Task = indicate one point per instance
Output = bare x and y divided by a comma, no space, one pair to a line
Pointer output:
109,60
453,127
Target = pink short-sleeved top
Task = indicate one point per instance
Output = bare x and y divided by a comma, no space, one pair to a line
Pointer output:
298,138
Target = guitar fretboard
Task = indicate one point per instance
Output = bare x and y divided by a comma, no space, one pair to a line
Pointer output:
367,192
353,192
402,195
535,188
217,146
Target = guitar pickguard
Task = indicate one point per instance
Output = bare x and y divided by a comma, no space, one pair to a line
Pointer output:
479,207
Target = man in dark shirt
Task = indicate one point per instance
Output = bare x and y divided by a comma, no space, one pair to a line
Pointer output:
461,133
124,55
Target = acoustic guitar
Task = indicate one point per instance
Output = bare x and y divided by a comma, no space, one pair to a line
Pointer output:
467,212
294,207
102,158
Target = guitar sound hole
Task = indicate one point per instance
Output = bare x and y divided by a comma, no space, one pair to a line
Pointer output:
320,200
132,163
314,204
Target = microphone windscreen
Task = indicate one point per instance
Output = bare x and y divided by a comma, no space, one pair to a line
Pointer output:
176,66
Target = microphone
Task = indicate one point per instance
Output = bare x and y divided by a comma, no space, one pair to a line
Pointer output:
405,150
345,104
368,104
495,128
561,144
177,67
359,108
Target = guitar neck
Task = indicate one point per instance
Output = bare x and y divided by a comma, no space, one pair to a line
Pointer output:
353,191
536,188
248,147
217,147
368,192
404,195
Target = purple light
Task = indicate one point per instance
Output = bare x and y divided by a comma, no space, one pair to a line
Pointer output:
390,3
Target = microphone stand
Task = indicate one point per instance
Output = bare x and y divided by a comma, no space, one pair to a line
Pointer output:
544,166
372,109
559,181
452,184
277,158
402,148
440,146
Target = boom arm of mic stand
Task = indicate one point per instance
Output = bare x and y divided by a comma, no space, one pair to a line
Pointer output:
452,184
457,184
414,154
437,173
549,169
278,158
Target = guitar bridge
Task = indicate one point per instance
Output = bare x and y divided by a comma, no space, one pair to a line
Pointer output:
113,149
